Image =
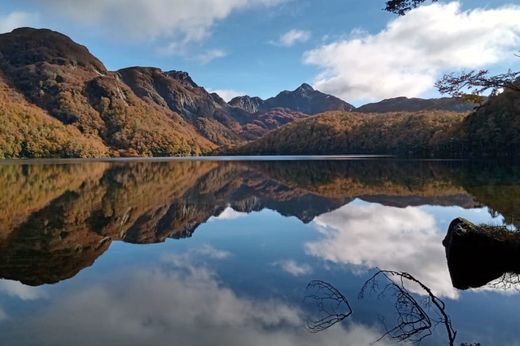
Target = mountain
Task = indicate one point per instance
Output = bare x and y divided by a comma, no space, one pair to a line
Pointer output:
58,100
62,78
248,103
70,105
491,130
304,99
208,113
175,91
404,104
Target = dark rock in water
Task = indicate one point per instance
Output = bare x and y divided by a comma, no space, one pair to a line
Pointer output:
478,255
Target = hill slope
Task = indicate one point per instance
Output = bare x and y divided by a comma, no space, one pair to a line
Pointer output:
417,134
494,129
28,131
405,104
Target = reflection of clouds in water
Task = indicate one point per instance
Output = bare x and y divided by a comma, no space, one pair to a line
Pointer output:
197,255
229,214
20,291
176,306
211,252
373,235
293,268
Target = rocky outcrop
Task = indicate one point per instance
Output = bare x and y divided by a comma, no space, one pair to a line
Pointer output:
478,255
176,91
248,103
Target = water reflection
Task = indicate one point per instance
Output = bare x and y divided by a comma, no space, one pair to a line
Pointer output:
57,219
257,231
371,235
176,303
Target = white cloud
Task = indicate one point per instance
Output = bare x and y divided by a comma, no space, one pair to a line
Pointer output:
15,20
21,291
227,94
209,56
292,37
183,20
408,56
293,268
372,235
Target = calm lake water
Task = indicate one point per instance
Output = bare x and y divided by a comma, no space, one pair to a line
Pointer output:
221,253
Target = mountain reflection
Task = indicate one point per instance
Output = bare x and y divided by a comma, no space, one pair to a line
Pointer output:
57,219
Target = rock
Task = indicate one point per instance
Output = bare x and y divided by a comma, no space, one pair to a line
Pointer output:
478,255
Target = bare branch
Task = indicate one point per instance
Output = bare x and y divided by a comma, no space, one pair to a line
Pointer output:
414,322
333,306
475,83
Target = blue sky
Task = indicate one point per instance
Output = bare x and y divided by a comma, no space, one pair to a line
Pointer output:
343,47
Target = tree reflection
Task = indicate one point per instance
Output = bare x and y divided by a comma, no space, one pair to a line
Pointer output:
333,307
417,316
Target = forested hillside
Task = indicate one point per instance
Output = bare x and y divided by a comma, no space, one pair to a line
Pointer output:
410,134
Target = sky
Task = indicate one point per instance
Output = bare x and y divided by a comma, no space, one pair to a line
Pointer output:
349,48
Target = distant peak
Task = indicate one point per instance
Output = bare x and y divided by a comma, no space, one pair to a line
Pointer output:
305,87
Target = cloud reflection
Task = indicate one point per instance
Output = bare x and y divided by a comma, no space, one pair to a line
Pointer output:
293,268
179,304
372,235
21,291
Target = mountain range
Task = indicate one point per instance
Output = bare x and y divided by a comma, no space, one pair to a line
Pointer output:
58,100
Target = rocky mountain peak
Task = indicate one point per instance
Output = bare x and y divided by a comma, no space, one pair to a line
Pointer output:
29,46
247,103
183,77
304,88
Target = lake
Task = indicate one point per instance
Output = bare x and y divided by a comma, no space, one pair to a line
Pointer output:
216,252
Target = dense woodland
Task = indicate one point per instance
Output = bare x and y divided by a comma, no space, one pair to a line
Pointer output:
410,134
